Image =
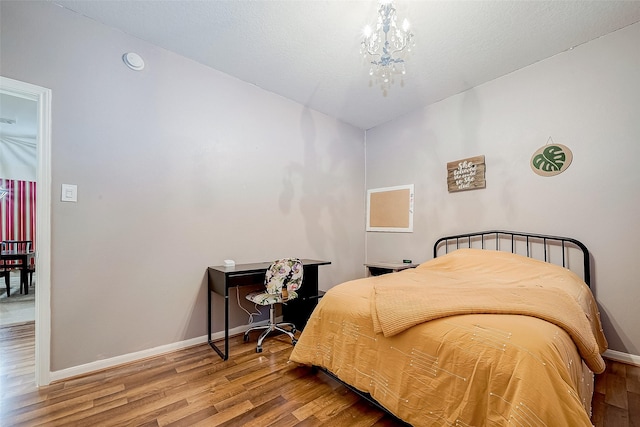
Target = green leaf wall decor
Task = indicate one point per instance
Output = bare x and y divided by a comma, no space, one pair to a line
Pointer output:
551,160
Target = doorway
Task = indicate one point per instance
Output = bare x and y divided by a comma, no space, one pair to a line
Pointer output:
42,97
18,167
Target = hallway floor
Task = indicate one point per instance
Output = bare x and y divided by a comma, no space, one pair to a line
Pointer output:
17,308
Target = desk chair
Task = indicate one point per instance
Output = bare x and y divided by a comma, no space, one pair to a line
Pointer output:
282,279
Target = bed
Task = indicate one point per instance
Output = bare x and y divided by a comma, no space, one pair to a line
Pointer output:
484,334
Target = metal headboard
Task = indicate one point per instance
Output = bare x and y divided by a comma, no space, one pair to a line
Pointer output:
564,243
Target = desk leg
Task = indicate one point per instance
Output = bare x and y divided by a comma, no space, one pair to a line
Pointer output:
226,325
224,355
209,314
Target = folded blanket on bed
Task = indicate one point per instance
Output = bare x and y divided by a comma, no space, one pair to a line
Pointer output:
535,288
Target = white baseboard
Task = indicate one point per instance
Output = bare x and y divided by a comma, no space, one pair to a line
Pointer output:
619,356
99,365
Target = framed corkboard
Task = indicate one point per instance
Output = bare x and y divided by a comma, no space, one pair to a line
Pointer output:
390,209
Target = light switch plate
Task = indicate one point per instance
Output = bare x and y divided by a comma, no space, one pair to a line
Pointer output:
69,193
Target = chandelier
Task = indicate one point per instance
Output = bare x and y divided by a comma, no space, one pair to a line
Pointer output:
386,45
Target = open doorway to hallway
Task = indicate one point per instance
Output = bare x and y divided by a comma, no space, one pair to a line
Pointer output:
42,242
18,176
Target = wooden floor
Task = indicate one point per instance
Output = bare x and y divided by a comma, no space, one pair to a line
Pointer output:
194,387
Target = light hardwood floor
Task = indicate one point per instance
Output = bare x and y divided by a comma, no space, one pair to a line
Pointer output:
194,387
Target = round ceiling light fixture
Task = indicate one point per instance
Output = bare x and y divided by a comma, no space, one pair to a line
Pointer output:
133,61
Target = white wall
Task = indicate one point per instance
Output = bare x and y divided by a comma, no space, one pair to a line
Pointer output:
588,99
178,167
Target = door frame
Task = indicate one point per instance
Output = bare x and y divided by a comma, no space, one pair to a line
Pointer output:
42,96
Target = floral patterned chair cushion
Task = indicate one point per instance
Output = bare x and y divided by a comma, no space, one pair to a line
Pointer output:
284,276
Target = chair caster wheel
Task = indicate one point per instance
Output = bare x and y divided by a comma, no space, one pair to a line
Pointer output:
293,330
294,341
258,349
246,338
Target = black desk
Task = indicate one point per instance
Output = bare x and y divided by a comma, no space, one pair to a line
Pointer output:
25,259
296,311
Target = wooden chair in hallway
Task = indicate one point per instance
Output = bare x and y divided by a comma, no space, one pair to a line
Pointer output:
4,272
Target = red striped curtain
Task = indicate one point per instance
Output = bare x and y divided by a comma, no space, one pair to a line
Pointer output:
18,211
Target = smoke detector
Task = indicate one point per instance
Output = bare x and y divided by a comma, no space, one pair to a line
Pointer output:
133,61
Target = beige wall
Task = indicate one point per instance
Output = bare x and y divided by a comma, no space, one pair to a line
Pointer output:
588,99
178,167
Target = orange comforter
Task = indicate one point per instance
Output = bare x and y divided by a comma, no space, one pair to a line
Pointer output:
418,343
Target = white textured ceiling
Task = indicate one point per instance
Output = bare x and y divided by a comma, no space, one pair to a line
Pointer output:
308,51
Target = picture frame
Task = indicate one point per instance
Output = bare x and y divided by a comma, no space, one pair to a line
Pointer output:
466,174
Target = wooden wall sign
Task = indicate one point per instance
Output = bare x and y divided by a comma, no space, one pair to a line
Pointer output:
466,174
552,159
